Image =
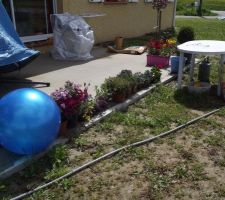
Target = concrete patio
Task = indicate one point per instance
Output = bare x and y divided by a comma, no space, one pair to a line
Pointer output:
93,71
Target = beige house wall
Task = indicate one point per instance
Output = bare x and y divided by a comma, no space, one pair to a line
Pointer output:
125,20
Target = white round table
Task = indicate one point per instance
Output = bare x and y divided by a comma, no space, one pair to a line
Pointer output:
202,47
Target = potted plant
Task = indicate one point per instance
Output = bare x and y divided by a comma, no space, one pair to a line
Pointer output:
140,80
159,51
156,74
117,88
86,110
128,75
69,99
143,80
101,99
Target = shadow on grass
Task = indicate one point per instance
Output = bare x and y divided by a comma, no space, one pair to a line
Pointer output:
202,102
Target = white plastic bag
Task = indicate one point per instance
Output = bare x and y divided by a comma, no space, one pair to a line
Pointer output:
73,37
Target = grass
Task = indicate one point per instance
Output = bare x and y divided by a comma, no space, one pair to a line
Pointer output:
187,165
191,11
207,4
155,170
204,28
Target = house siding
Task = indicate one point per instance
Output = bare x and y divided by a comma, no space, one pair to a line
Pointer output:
125,20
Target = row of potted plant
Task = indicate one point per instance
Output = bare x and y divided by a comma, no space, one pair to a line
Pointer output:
126,83
77,105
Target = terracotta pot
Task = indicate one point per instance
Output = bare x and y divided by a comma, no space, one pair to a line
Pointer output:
63,131
119,43
119,98
73,121
129,92
134,89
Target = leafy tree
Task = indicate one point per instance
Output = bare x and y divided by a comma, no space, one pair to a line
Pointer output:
159,5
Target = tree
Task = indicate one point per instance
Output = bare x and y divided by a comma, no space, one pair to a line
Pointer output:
159,5
200,8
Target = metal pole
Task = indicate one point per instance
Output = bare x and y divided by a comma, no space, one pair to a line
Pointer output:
174,13
13,13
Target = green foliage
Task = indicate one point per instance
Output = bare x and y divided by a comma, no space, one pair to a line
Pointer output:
59,155
99,151
207,4
216,140
116,85
198,172
143,79
142,40
87,110
205,29
181,171
190,10
55,172
2,187
156,74
128,75
185,34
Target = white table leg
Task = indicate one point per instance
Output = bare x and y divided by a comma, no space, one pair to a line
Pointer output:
180,72
192,67
220,74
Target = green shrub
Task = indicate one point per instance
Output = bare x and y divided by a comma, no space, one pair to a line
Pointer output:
185,34
116,84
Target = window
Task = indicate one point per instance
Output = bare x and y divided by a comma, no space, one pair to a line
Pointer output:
31,19
115,1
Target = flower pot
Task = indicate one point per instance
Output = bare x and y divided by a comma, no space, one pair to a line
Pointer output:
63,131
159,61
73,121
119,97
129,92
119,43
134,89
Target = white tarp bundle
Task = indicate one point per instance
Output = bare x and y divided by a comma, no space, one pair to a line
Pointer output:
73,37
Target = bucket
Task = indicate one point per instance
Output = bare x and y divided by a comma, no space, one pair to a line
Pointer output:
174,62
119,43
204,71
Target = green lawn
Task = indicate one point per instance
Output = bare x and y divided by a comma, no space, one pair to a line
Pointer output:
178,166
204,28
208,4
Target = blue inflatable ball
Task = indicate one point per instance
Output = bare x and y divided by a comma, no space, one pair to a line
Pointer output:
29,121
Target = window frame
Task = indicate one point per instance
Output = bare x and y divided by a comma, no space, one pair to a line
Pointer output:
33,37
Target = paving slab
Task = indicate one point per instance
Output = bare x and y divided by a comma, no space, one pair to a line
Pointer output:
93,71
